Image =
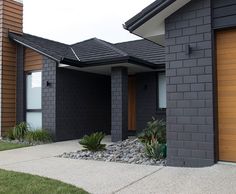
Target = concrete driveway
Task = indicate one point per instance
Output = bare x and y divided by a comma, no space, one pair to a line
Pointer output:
108,178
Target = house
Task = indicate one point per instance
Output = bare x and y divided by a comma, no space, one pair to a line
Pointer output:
200,47
73,90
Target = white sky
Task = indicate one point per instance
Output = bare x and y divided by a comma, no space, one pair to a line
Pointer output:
71,21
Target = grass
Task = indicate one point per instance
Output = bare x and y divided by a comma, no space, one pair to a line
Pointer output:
10,146
20,183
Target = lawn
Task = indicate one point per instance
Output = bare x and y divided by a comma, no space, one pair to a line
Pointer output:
20,183
10,146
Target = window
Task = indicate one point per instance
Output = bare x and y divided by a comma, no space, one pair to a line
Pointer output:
34,99
161,90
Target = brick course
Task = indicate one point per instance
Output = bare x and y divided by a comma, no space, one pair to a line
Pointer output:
119,103
190,129
49,95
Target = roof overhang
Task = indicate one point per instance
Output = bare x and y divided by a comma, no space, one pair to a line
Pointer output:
150,23
106,69
113,61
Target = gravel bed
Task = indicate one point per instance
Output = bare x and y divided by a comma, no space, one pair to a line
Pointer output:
128,151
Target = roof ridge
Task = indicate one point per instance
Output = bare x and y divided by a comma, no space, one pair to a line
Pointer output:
83,41
74,53
112,46
69,50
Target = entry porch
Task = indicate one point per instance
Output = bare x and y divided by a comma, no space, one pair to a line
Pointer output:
117,99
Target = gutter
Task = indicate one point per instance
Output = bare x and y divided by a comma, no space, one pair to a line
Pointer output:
148,15
72,62
112,61
144,63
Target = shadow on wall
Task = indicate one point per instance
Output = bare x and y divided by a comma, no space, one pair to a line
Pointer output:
83,104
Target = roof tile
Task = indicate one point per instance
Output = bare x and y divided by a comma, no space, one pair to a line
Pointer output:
94,50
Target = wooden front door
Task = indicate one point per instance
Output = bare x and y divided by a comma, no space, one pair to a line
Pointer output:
226,76
132,103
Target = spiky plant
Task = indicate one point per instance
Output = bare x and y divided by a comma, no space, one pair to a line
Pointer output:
20,130
93,142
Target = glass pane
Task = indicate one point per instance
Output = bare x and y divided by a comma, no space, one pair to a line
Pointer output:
162,90
34,90
34,119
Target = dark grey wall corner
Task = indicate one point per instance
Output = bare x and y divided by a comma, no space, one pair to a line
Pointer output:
190,126
20,85
49,74
119,103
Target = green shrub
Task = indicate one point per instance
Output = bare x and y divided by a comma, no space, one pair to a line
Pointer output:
93,142
20,130
10,135
155,150
38,135
154,139
155,131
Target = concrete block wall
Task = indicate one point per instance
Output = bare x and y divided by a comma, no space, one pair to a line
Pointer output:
83,103
146,99
190,126
119,103
49,73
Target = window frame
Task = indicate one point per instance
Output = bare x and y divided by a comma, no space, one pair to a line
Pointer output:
25,92
158,109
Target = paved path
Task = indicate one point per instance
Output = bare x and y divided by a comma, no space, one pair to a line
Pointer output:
111,178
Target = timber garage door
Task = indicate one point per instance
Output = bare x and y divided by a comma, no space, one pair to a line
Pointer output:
226,76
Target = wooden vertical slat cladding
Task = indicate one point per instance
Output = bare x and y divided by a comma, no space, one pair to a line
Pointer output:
11,19
132,103
226,75
33,60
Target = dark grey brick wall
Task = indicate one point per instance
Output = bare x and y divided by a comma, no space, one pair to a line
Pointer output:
83,103
146,99
20,86
119,103
190,130
49,95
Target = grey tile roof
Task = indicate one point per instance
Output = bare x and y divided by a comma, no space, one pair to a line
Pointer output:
144,49
95,51
55,49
